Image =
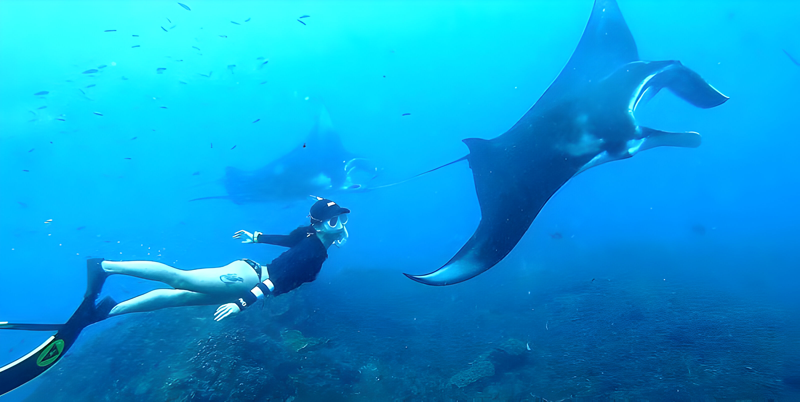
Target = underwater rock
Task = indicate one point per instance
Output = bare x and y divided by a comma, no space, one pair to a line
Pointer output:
510,355
478,369
296,342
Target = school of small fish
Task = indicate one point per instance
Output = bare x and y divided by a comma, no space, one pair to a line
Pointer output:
101,71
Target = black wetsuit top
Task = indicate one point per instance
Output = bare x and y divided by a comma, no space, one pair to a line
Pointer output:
298,265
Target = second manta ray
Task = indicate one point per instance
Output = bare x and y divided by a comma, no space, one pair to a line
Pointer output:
320,165
584,119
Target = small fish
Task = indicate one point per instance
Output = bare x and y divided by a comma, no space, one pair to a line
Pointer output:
264,63
212,145
169,20
98,113
135,36
247,20
163,107
41,107
22,204
134,138
181,82
128,158
185,6
304,16
206,75
179,60
196,174
234,147
223,36
90,71
173,27
40,93
406,114
556,235
48,221
165,29
791,58
231,66
304,145
90,85
235,23
80,228
230,278
257,120
160,70
31,150
592,280
124,78
135,46
528,346
698,229
300,21
263,82
195,47
27,171
82,91
110,30
260,58
102,66
60,119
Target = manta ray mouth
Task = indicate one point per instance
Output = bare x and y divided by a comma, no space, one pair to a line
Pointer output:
643,92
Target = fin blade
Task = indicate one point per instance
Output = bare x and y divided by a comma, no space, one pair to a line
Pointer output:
49,353
31,327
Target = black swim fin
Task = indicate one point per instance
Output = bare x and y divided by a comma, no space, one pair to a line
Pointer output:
95,277
48,353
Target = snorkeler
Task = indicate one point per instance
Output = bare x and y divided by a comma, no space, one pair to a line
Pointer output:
238,285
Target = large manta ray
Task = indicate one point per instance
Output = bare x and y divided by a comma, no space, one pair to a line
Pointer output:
584,119
321,165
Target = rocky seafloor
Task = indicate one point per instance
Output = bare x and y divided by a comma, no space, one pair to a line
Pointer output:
346,338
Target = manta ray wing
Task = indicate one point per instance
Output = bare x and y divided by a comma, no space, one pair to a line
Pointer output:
584,119
606,44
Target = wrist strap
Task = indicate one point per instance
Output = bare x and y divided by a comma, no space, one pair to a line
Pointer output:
246,300
255,236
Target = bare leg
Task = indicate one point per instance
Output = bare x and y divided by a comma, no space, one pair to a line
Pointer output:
164,298
232,279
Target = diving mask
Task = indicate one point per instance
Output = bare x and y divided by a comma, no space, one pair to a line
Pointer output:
335,225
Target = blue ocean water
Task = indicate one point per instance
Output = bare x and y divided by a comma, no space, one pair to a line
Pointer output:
672,275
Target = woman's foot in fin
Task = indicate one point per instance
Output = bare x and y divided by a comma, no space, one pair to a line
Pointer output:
102,309
95,277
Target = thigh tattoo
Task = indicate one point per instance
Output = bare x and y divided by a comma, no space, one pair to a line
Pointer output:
230,278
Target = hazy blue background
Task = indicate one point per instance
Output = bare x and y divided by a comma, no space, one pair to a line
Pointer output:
461,69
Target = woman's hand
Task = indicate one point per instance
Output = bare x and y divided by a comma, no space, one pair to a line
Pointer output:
246,236
226,310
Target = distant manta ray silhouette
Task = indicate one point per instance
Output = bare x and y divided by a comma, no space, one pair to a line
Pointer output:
321,165
584,119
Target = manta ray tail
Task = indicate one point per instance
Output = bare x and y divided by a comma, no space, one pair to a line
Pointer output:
420,174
